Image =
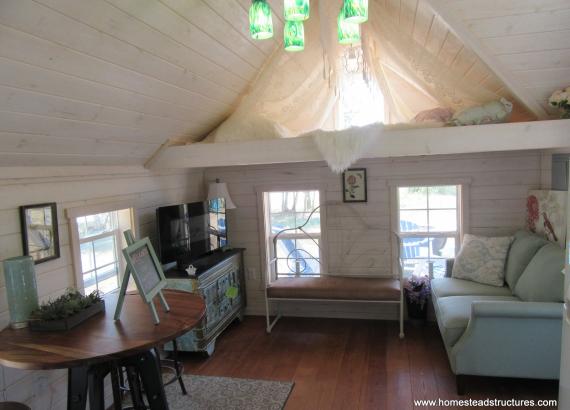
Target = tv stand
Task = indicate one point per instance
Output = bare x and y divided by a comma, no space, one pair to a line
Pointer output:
219,279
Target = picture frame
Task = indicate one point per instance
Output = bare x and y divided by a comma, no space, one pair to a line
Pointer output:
40,234
354,187
145,268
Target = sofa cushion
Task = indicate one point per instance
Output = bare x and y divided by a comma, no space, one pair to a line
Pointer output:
542,280
482,259
522,250
443,287
453,314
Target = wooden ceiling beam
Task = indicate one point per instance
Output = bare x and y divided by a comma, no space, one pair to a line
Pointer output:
553,134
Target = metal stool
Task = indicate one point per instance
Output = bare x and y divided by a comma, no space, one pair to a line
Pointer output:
12,405
134,384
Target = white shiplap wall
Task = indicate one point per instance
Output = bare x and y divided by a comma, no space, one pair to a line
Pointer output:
45,390
359,234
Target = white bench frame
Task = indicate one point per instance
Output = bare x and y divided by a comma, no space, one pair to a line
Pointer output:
271,323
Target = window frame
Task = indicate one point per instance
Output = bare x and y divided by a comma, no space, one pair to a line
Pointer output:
266,245
463,195
74,213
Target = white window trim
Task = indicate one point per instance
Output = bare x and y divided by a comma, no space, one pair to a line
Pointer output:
261,190
74,213
463,207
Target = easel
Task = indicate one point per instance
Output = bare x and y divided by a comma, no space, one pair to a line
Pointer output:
129,237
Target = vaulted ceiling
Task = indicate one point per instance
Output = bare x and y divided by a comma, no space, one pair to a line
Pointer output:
524,42
104,82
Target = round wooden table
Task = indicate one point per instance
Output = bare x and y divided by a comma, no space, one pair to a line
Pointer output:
94,347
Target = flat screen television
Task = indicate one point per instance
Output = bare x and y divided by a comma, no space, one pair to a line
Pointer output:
188,232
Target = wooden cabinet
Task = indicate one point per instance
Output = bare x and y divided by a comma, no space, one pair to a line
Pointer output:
220,281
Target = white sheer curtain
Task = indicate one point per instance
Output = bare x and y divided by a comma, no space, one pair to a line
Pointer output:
298,92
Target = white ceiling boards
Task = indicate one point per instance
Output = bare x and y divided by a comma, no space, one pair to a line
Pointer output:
108,82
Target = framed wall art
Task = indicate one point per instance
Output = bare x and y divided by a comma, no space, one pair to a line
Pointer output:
354,185
40,237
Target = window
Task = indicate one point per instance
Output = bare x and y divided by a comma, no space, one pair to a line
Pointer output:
429,224
360,104
294,252
98,242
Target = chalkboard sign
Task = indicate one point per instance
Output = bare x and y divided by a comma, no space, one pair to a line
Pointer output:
145,269
147,272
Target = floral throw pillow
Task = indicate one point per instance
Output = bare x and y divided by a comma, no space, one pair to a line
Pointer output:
482,259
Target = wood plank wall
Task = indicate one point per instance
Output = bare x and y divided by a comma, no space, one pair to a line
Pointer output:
47,389
359,234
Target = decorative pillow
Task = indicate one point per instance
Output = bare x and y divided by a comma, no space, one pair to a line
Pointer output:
523,249
542,280
482,259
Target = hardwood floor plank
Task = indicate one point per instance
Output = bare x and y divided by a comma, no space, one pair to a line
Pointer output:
352,364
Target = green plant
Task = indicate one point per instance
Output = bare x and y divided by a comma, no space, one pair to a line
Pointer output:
66,305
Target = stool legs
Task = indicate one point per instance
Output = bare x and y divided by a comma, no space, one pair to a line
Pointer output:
151,377
178,367
77,388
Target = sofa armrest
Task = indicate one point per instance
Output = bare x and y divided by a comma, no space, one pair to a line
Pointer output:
516,309
449,267
510,339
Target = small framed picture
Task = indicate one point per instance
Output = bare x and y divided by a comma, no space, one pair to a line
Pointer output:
40,237
354,185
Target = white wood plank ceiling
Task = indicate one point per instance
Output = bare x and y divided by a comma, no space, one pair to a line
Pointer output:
107,82
523,41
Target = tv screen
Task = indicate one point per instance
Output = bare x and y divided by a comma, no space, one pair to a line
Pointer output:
187,232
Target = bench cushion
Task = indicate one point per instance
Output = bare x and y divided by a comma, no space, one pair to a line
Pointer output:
335,288
454,312
442,287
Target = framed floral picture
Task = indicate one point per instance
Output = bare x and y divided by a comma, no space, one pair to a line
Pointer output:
354,185
546,214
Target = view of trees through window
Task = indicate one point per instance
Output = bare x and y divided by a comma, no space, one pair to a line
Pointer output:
99,241
297,251
428,219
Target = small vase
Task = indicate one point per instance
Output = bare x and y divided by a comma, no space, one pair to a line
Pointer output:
21,289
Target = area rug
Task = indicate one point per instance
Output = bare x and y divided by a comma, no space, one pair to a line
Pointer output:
212,393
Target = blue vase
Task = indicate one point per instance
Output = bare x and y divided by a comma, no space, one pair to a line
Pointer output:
21,289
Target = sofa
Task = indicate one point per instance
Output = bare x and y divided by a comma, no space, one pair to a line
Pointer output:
508,331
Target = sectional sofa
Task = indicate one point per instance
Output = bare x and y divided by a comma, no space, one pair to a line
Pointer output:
509,331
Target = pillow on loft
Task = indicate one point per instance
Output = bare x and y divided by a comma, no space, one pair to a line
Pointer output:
482,259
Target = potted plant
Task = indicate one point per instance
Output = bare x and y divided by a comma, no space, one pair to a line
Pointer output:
417,290
67,311
560,99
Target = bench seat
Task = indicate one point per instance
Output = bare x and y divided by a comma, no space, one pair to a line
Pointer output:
335,288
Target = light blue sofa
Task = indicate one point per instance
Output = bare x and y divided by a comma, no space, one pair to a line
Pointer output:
509,331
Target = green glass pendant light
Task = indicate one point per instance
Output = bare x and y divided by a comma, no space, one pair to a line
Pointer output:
355,11
348,33
260,20
294,36
296,10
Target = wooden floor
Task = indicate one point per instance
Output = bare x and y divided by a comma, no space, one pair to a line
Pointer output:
351,364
